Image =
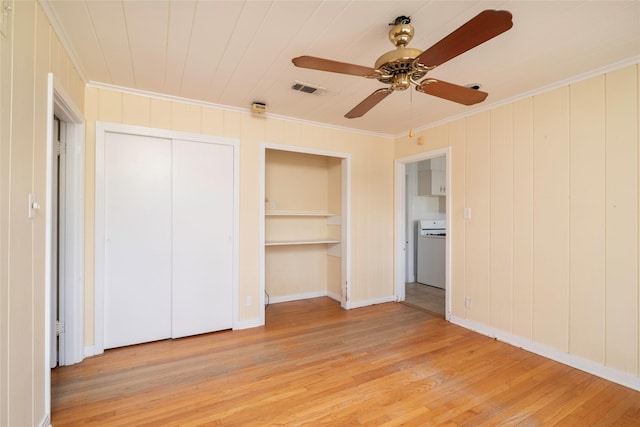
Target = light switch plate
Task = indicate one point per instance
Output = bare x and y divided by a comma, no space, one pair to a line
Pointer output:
33,205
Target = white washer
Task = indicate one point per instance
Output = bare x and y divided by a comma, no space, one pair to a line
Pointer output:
432,243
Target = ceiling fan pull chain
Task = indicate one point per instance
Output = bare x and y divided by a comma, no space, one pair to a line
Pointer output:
410,114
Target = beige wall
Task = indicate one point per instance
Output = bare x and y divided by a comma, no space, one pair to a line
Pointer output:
28,52
371,186
551,251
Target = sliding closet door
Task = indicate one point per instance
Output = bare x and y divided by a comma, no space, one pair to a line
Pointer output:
137,217
202,237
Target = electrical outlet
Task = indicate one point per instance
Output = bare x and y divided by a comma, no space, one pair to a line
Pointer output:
467,302
249,300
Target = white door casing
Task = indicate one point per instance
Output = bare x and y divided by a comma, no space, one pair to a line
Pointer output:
72,345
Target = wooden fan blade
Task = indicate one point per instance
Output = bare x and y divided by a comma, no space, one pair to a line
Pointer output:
368,103
315,63
451,92
484,26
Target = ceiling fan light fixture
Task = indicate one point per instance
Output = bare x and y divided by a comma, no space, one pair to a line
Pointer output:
401,82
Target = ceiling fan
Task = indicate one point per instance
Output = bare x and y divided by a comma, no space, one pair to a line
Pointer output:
404,66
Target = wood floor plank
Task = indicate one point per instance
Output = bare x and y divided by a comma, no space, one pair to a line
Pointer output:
316,364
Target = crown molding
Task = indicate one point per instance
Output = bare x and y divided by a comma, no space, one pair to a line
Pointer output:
245,111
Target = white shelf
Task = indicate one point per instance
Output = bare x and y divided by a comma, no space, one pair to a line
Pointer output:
302,242
297,213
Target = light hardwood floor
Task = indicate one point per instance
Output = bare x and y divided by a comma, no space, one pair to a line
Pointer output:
425,297
316,364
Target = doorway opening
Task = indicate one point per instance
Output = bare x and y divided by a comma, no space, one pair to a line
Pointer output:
58,242
64,234
65,231
423,211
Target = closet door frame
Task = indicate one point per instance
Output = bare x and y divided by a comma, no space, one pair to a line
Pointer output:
102,129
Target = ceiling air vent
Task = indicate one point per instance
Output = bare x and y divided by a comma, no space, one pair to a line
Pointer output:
307,88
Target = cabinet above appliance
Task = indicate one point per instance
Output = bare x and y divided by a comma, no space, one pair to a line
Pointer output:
432,183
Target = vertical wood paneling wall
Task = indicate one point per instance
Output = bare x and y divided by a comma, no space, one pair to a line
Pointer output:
621,220
550,218
28,52
522,284
550,253
587,219
501,222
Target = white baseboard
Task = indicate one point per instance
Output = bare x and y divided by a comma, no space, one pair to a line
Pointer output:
295,297
364,303
89,351
589,366
249,323
45,421
334,296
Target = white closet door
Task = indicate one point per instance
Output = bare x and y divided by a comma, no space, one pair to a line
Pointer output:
202,237
137,288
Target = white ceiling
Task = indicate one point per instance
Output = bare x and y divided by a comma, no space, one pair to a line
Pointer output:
235,52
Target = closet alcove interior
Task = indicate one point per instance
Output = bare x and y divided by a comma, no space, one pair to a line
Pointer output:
303,225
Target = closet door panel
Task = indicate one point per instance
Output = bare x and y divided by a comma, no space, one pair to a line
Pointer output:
202,237
137,290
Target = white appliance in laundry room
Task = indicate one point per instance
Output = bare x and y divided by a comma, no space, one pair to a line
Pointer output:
432,243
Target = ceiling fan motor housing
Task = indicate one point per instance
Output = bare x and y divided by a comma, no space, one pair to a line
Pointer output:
397,66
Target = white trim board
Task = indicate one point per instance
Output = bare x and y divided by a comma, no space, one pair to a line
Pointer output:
591,367
102,128
296,297
373,301
45,422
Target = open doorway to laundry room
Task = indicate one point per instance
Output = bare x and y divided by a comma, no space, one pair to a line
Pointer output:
422,210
